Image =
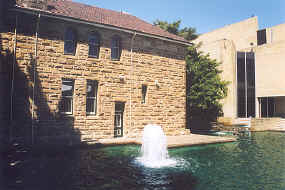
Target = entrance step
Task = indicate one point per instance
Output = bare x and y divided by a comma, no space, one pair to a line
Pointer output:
263,124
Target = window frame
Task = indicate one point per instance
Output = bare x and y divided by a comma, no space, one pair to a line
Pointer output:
116,45
73,40
94,98
96,45
70,98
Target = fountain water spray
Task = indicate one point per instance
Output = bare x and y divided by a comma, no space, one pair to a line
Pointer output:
154,148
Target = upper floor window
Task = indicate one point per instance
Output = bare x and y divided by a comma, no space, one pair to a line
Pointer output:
94,45
261,37
69,41
116,48
91,97
67,96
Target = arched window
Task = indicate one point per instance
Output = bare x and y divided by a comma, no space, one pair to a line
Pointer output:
94,44
116,48
69,41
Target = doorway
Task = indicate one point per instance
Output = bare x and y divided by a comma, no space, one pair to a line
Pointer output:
267,107
119,119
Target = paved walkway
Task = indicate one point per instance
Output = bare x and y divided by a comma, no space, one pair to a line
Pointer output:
174,141
277,129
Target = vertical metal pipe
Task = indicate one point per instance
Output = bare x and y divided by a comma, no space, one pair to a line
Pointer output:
12,82
34,80
245,64
131,79
255,94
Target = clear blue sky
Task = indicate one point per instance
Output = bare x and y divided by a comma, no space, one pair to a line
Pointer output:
204,15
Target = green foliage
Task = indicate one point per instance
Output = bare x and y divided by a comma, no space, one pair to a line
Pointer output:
205,88
174,28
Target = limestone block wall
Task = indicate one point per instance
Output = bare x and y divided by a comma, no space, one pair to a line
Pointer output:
222,45
224,52
270,69
152,60
242,34
275,33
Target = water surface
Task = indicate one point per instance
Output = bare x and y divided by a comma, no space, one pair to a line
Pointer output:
256,162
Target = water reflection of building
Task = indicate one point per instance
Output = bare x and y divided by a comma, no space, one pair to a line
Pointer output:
253,61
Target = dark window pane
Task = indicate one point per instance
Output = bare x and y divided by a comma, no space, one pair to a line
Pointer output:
115,53
264,109
67,105
93,51
144,90
267,107
261,37
69,47
246,84
67,87
91,96
116,48
250,76
67,95
271,109
90,105
241,84
69,41
92,88
94,45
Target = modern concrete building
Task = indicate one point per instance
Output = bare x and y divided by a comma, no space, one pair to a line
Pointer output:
81,72
253,61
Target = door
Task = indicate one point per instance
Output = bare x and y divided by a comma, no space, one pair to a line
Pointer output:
119,119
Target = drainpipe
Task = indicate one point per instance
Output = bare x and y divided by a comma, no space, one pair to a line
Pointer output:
35,65
131,78
245,65
12,82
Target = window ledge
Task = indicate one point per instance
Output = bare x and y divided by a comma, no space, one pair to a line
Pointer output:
93,57
67,115
72,54
117,60
92,116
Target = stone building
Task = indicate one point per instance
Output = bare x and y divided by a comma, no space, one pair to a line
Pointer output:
80,73
253,61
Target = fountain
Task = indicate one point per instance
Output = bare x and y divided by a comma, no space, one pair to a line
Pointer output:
154,148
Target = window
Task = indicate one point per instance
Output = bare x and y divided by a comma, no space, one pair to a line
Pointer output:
94,45
144,89
116,48
67,96
69,41
261,37
91,97
246,84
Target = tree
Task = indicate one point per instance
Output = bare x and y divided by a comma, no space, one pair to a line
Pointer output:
205,88
187,33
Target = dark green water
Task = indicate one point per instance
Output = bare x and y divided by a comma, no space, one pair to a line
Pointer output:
252,163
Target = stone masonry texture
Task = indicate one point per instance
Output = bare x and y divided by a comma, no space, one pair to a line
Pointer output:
38,81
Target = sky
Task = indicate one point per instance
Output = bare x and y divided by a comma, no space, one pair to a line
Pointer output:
204,15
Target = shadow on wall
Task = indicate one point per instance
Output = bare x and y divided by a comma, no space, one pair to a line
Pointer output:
18,96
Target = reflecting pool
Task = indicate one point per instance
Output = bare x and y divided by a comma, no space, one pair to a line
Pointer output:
254,162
